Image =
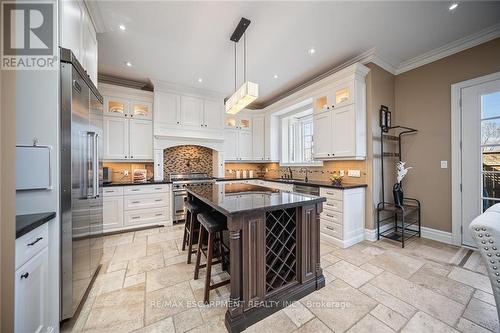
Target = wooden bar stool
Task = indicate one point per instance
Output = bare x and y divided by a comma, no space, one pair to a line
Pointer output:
190,227
209,224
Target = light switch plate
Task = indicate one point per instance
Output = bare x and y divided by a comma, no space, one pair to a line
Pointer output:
342,173
444,164
354,173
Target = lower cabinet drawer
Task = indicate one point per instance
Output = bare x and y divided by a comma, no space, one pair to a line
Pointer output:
132,202
330,193
333,205
146,189
145,216
332,216
331,228
112,191
28,245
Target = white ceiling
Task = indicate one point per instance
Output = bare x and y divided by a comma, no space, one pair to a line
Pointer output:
180,42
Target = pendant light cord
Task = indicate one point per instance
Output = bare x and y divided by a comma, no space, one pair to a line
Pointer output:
235,66
245,57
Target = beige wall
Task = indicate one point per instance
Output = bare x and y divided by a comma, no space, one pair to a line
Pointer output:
7,198
379,91
423,102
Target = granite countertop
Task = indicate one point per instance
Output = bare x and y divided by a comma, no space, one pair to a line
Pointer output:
238,198
26,223
318,183
130,183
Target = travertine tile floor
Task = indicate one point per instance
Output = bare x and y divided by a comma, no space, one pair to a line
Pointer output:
145,286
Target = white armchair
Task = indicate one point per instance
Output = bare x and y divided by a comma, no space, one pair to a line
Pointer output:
485,230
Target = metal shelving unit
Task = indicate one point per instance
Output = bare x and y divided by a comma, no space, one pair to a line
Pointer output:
405,218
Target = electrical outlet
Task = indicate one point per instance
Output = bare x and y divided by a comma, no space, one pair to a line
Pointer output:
354,173
342,173
444,164
125,173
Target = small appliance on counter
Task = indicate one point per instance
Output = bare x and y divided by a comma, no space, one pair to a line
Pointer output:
107,175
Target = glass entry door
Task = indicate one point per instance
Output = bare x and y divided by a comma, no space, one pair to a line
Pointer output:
480,152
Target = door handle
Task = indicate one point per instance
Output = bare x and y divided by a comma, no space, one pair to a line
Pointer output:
35,241
96,165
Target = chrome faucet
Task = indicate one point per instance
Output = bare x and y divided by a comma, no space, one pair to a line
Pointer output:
290,173
306,171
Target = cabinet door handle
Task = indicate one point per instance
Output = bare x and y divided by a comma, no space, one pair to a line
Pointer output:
25,275
158,200
110,191
329,215
135,217
158,188
135,190
35,241
330,228
158,214
136,202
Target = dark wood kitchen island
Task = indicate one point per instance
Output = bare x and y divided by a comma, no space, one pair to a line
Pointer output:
274,247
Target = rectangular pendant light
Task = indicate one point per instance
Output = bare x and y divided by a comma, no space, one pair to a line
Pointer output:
242,97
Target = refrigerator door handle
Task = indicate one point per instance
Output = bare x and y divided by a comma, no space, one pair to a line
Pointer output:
96,165
91,161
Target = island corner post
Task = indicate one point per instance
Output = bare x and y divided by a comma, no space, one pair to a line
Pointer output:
274,260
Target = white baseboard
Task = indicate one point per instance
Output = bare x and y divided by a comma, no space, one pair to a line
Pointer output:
437,235
429,233
342,243
371,234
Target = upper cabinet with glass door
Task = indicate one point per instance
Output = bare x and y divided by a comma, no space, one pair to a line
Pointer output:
141,110
241,122
126,102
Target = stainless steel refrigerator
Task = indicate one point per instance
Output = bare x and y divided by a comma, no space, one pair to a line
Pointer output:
81,180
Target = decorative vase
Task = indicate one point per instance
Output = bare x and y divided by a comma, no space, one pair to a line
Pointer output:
397,191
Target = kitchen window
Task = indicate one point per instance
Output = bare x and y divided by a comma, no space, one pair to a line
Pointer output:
298,138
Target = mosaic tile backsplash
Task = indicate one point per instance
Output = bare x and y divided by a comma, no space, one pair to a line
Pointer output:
187,159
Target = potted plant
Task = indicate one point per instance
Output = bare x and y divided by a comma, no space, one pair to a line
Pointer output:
397,189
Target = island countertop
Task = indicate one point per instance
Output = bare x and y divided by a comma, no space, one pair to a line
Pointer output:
232,199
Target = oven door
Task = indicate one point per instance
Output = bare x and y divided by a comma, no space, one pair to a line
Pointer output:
180,198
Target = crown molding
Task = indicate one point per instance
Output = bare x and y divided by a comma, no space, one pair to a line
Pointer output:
185,90
117,81
456,46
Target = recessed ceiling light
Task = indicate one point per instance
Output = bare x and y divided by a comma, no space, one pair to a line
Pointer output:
122,27
453,6
200,80
312,50
275,76
128,64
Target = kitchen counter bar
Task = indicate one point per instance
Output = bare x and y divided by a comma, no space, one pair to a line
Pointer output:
316,183
274,247
28,222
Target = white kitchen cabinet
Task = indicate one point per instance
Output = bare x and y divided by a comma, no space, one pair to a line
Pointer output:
322,123
342,220
340,117
78,34
112,212
141,110
245,145
31,294
187,115
127,139
242,122
136,206
115,107
140,139
344,131
231,144
31,284
258,138
213,112
167,109
191,111
116,138
237,145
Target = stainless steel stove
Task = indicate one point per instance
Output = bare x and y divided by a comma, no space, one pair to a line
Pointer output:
179,183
